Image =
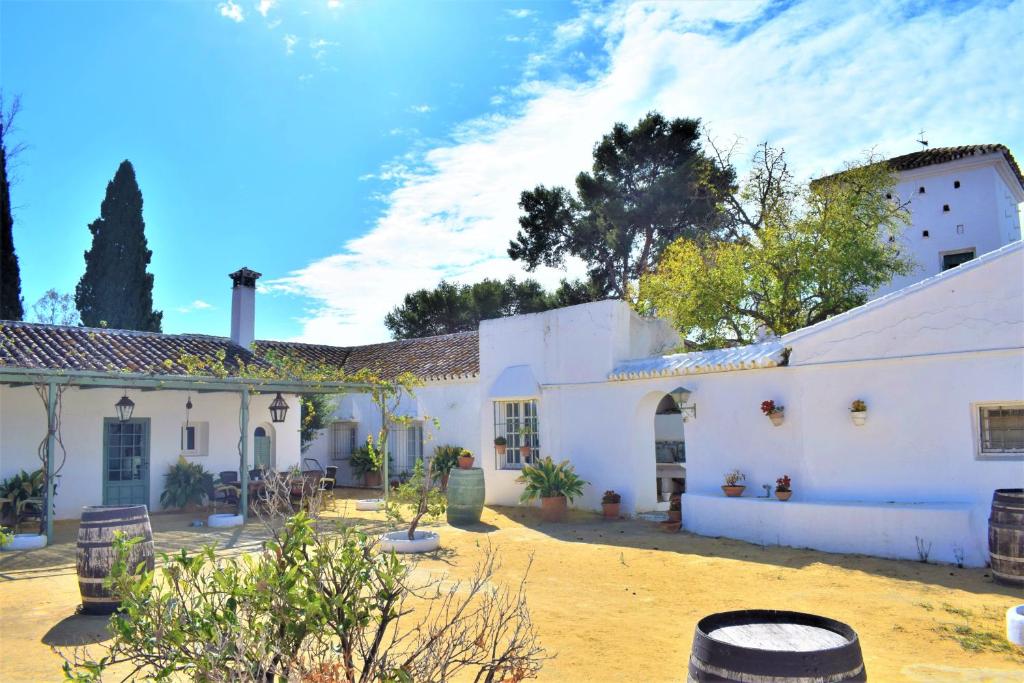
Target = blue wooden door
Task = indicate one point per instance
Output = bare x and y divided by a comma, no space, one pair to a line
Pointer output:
125,461
262,450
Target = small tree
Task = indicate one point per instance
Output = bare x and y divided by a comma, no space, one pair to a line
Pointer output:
316,413
55,308
420,496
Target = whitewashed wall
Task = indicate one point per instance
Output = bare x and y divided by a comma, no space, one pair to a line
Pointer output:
23,425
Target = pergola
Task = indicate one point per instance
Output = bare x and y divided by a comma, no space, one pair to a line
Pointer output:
90,379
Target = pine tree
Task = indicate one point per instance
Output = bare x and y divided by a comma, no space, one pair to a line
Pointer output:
116,290
10,274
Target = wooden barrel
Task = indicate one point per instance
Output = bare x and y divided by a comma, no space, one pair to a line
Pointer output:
96,554
770,646
465,496
1006,536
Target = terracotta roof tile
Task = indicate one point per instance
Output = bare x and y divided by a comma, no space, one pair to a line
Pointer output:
942,155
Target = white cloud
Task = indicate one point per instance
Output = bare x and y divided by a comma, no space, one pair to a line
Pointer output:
519,13
265,6
197,305
231,10
822,81
319,47
333,4
421,108
290,41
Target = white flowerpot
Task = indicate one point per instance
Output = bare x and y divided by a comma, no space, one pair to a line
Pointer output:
1015,625
777,418
424,542
224,519
859,417
370,504
26,542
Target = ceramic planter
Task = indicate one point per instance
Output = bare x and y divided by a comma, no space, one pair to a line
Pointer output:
370,504
372,480
777,418
524,453
398,541
26,542
465,462
224,520
554,509
611,510
859,417
734,491
783,495
500,449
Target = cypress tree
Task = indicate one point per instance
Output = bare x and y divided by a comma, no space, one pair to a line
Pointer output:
10,274
116,290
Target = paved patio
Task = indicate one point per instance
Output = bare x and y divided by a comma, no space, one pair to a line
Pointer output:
616,601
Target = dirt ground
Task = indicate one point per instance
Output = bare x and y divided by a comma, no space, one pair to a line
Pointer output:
613,601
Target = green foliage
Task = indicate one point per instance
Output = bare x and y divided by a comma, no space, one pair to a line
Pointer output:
366,459
11,307
649,186
316,410
24,485
6,536
446,458
545,479
115,288
459,308
811,253
308,601
418,496
186,482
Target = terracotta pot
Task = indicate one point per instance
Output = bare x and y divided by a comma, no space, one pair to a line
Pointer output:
777,418
611,510
465,462
675,515
783,495
524,453
372,479
500,450
859,417
733,491
554,509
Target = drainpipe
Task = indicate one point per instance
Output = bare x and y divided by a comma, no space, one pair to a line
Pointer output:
51,446
243,475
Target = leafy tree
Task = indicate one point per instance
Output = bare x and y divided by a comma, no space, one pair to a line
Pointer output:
316,409
797,255
116,290
11,307
460,308
56,309
649,186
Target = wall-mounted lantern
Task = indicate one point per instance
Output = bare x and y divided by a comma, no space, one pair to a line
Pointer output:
124,408
681,395
278,409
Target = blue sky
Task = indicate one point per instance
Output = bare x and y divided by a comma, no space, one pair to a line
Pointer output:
354,151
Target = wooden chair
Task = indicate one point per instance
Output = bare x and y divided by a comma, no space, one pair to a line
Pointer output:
229,490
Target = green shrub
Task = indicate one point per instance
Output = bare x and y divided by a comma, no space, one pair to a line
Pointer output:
546,479
366,459
417,494
187,482
446,459
24,485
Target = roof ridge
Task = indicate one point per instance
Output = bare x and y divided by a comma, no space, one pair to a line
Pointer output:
110,330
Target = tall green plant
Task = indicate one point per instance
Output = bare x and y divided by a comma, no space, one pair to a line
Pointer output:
446,458
418,496
24,485
186,482
546,479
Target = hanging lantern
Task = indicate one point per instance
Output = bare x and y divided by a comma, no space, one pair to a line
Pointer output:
278,409
124,408
188,409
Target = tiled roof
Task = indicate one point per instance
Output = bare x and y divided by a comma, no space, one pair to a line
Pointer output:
57,347
942,155
446,356
764,355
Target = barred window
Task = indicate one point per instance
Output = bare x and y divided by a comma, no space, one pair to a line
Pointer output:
1001,429
518,423
343,440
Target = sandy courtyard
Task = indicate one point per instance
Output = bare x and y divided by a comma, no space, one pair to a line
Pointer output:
614,601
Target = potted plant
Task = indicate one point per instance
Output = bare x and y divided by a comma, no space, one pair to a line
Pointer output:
733,488
500,445
446,458
555,486
675,508
524,440
782,487
188,486
610,504
419,497
859,412
366,462
777,414
465,460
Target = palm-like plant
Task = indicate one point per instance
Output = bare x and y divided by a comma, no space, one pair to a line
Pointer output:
187,482
546,479
446,458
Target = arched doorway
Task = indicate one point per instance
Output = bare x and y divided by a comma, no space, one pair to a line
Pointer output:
263,447
669,449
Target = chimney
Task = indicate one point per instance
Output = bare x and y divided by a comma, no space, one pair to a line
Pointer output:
243,306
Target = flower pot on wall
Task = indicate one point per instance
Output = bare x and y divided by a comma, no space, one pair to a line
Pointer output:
524,453
611,510
777,418
733,491
859,417
500,449
783,495
465,462
554,509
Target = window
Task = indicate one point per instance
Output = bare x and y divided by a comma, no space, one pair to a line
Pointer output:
405,446
955,258
945,208
343,440
517,422
195,438
1000,429
920,190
